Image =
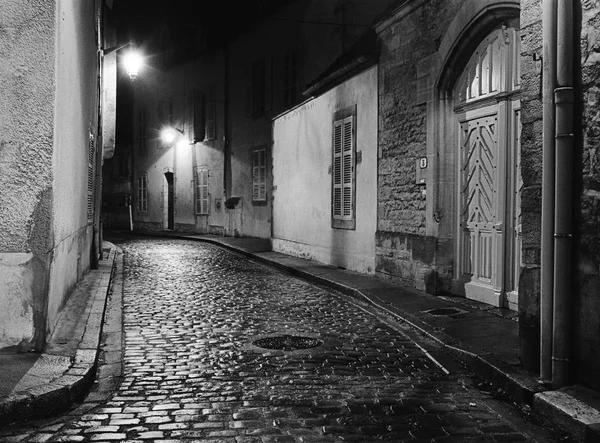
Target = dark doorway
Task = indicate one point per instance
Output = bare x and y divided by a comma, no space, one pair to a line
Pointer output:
170,201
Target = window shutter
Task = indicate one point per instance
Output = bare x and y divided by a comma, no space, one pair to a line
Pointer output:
199,116
337,169
249,91
142,147
190,117
142,193
348,169
262,174
290,78
90,177
211,113
197,191
161,111
204,191
268,81
169,111
255,178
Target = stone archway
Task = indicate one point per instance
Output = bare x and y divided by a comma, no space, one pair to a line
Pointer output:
470,27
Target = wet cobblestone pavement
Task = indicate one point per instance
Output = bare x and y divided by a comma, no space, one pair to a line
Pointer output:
192,371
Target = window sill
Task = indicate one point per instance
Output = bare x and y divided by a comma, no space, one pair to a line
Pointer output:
343,224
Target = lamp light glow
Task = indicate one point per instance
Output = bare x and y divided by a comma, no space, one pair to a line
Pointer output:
133,62
168,136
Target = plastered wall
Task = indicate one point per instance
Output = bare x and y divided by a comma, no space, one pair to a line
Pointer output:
47,84
302,161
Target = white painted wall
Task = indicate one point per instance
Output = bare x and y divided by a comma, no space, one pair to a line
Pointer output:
75,117
302,158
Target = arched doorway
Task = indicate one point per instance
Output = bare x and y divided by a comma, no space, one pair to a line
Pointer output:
487,217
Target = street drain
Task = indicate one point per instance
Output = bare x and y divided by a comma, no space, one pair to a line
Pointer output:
287,342
448,312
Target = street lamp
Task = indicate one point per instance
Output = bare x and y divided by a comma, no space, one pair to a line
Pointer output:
133,60
169,134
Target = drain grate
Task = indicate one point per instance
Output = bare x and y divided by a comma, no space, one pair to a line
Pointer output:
448,312
287,342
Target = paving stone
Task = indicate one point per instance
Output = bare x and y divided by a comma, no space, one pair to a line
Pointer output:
191,312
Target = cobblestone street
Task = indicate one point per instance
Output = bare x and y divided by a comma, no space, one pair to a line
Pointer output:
194,371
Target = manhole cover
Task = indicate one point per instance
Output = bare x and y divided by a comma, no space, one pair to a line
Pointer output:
287,342
446,311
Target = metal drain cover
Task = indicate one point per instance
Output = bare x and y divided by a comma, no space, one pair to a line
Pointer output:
446,312
287,342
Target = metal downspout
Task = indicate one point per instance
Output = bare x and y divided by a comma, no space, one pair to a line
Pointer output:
547,253
564,99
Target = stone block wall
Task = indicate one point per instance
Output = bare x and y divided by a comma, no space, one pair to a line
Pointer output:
587,310
402,204
531,172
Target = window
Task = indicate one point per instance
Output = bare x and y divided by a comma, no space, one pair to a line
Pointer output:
197,116
258,88
141,132
259,175
165,112
343,171
201,190
290,79
211,113
142,192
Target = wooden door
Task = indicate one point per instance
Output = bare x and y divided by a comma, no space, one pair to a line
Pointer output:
488,176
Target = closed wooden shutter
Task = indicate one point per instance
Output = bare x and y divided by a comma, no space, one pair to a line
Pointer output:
142,194
199,116
337,169
211,113
343,169
90,177
203,191
259,174
348,168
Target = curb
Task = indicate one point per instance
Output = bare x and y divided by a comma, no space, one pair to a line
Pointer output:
58,393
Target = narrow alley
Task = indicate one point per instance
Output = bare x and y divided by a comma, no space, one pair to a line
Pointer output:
218,348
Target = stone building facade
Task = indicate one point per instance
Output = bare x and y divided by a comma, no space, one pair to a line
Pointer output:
467,136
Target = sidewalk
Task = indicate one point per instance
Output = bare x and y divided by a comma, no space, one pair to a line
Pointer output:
37,385
483,337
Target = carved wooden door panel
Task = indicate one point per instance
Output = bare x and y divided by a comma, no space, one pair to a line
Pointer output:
481,217
488,175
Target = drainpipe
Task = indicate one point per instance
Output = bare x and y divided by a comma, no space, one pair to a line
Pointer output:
547,253
563,237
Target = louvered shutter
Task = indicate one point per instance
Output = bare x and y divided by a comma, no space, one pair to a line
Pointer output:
255,180
197,192
343,169
90,177
142,194
204,191
348,169
199,116
262,174
190,117
337,169
268,79
211,113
